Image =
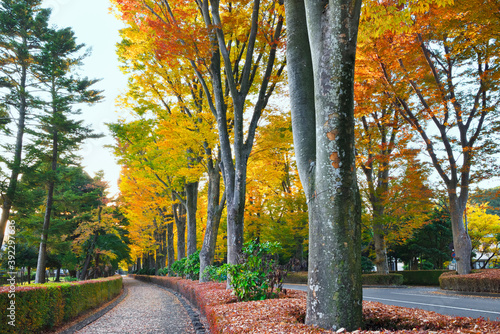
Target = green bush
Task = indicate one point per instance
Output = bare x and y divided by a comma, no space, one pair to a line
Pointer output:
378,279
188,267
163,271
421,277
41,307
216,274
257,275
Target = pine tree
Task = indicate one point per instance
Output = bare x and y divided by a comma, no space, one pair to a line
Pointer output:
22,25
60,135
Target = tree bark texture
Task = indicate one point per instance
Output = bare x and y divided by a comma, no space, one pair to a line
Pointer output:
214,213
42,253
325,154
8,197
170,246
191,208
180,222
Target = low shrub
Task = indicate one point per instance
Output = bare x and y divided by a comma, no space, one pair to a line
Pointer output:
215,274
378,279
41,307
421,277
486,280
188,267
163,271
257,276
287,314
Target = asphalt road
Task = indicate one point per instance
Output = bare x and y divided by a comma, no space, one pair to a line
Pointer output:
431,299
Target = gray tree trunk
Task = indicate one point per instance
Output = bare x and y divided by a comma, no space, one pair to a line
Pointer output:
324,143
42,252
214,213
191,208
16,166
180,222
170,247
461,240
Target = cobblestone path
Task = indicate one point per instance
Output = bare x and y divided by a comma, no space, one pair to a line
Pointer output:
146,309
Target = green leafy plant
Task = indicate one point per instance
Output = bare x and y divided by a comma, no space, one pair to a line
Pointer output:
216,274
188,267
257,276
163,271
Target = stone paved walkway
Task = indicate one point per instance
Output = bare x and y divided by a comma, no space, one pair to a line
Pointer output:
146,309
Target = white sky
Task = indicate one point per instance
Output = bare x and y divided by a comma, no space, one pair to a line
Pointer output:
97,28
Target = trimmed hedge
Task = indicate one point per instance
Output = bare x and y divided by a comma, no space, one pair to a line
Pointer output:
376,279
42,307
421,277
486,280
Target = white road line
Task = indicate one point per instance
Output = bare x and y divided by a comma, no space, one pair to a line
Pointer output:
444,306
426,295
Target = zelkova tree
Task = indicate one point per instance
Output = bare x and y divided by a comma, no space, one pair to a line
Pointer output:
60,134
445,85
22,25
398,199
320,58
166,87
234,59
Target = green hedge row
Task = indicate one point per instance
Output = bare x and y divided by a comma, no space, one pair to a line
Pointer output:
376,279
421,277
487,280
33,309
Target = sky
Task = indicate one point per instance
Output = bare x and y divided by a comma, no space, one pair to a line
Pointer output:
97,28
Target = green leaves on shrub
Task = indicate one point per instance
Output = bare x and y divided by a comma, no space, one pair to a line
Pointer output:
188,267
256,276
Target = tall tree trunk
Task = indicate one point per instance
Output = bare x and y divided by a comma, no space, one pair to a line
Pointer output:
170,247
180,222
214,213
326,160
461,240
90,251
191,208
139,265
8,197
379,240
88,258
42,253
58,275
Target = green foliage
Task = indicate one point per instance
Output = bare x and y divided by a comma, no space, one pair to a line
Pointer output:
257,274
421,277
188,267
42,307
377,279
214,273
429,246
163,271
